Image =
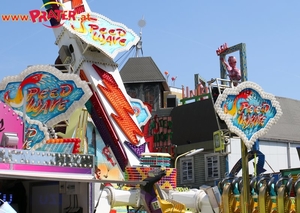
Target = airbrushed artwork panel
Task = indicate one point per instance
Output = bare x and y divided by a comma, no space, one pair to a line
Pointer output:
106,166
44,93
248,111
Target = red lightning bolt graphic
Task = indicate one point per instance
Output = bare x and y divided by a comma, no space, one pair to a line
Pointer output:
120,104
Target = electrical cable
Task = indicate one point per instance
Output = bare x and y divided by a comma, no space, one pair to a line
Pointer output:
69,207
124,59
76,201
73,201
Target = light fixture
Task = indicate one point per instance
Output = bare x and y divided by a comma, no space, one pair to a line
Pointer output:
189,153
219,141
194,152
9,139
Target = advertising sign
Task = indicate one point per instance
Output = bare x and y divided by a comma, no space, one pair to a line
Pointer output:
248,111
46,94
97,30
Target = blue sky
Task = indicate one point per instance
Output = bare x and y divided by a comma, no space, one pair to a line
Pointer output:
181,37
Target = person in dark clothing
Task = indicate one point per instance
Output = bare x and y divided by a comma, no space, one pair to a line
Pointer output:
18,192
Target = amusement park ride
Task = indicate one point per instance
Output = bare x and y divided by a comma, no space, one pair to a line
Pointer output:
69,132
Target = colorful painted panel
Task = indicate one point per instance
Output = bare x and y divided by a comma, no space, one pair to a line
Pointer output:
248,111
51,96
141,111
136,150
140,173
161,129
62,145
10,122
99,31
36,133
104,127
106,166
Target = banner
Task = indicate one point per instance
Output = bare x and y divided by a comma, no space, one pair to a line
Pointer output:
248,111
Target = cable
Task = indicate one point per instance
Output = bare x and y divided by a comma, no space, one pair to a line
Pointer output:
270,166
69,207
76,201
124,59
73,201
125,53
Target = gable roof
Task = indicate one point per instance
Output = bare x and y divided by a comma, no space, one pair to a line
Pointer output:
142,70
287,127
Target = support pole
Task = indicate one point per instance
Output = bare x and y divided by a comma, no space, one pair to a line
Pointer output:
245,175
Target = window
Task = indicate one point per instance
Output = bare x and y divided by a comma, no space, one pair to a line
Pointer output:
187,170
149,97
212,167
132,93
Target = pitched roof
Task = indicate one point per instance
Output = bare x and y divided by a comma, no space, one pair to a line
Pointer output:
288,126
142,70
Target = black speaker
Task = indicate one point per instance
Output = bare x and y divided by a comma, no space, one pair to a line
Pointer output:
171,101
